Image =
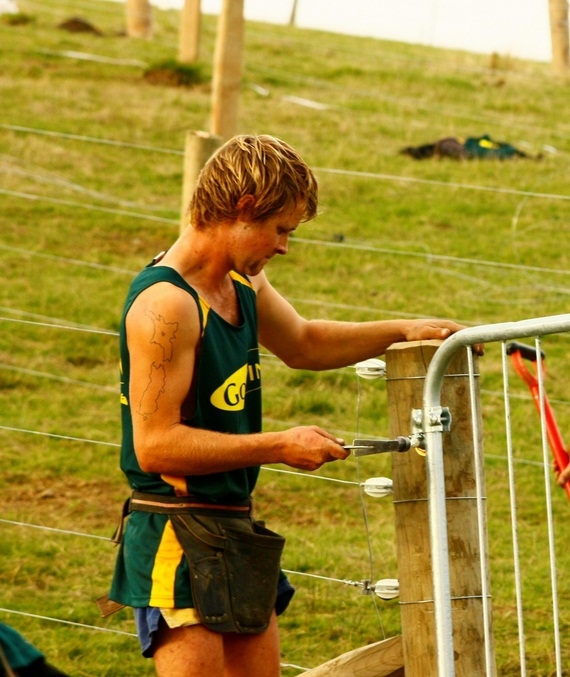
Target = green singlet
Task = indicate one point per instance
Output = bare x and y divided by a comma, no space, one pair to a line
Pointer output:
151,569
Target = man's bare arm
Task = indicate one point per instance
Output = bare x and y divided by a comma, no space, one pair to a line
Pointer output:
317,345
163,333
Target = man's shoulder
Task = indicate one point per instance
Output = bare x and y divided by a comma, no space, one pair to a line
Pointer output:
159,281
158,292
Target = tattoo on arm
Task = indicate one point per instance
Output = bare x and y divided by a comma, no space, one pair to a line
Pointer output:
163,336
155,386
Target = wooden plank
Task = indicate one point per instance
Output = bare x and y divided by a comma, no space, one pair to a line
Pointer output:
382,659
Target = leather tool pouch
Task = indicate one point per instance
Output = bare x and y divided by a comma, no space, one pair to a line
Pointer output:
234,570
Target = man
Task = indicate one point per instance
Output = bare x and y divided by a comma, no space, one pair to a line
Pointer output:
202,575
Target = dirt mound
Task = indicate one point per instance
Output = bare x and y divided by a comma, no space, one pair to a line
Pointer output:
78,25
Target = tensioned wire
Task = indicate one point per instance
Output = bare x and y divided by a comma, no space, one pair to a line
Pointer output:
429,256
102,629
110,389
85,626
279,470
68,532
58,323
332,170
364,512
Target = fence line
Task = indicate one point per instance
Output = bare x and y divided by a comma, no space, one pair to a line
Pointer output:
428,256
82,205
71,438
61,620
330,170
68,532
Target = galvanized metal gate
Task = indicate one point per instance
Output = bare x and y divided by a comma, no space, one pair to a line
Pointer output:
434,420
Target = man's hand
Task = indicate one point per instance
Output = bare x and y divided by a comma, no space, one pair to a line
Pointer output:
310,447
424,330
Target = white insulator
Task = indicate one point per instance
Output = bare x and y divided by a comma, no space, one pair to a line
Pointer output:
378,487
387,588
371,369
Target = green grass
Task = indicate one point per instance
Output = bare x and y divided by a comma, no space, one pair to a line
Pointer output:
481,242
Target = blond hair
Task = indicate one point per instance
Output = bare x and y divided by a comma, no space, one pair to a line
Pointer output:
262,166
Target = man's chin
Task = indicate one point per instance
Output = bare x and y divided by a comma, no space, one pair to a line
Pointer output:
252,270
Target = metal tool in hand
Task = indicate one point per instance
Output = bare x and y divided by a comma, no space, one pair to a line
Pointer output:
382,446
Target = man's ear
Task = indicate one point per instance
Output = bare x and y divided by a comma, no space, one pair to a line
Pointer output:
246,207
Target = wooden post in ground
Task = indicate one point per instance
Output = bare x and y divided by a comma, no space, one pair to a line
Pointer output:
226,83
139,18
200,146
406,366
189,34
558,10
293,16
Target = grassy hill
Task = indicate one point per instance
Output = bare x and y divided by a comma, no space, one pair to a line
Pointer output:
90,187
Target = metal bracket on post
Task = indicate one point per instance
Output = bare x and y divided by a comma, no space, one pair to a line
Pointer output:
439,420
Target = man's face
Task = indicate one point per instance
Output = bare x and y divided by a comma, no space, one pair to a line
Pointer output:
258,242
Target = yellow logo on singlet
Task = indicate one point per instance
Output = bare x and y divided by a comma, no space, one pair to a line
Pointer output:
230,396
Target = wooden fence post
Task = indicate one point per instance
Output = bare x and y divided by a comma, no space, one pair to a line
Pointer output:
139,18
293,16
200,146
226,83
406,366
189,34
558,10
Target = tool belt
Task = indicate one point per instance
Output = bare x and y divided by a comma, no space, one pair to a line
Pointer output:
170,505
234,560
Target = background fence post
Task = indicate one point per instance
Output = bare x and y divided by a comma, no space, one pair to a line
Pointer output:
200,146
226,82
189,33
139,18
558,11
406,366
